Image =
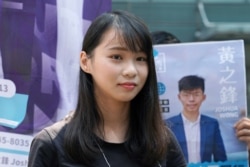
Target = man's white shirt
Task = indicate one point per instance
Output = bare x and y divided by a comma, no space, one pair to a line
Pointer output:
192,133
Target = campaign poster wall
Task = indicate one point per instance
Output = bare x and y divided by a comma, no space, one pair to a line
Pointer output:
222,65
40,44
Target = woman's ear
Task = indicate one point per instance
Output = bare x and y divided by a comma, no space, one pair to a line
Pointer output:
84,61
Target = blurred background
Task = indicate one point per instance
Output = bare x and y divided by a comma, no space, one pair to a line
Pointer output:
197,20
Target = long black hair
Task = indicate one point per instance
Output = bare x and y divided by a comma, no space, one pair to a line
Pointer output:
147,136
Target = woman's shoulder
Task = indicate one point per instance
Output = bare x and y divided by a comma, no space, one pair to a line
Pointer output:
175,156
48,144
55,130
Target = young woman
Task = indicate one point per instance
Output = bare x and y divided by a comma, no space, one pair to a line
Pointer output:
117,121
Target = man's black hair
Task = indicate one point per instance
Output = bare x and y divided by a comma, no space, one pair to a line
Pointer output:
191,82
163,37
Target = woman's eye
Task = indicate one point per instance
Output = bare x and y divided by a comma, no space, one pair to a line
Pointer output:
142,59
116,57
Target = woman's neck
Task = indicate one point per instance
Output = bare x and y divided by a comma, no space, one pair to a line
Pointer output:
115,121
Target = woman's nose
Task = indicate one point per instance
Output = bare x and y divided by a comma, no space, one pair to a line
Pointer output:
130,69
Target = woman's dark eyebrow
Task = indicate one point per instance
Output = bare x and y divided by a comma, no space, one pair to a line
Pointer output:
118,48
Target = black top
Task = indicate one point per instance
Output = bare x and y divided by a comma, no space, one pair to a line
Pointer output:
47,151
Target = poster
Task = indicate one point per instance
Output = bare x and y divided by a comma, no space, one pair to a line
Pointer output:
222,66
40,43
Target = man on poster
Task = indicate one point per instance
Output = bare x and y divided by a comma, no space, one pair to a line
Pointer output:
199,135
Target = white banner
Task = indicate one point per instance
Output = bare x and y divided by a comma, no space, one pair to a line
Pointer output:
222,65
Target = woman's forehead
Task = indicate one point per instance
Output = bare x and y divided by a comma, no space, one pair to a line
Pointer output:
111,37
117,37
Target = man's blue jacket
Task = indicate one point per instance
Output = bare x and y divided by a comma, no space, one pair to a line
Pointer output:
211,141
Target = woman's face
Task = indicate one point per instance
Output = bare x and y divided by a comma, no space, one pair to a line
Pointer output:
118,74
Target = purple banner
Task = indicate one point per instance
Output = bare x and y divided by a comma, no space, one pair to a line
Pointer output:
40,43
